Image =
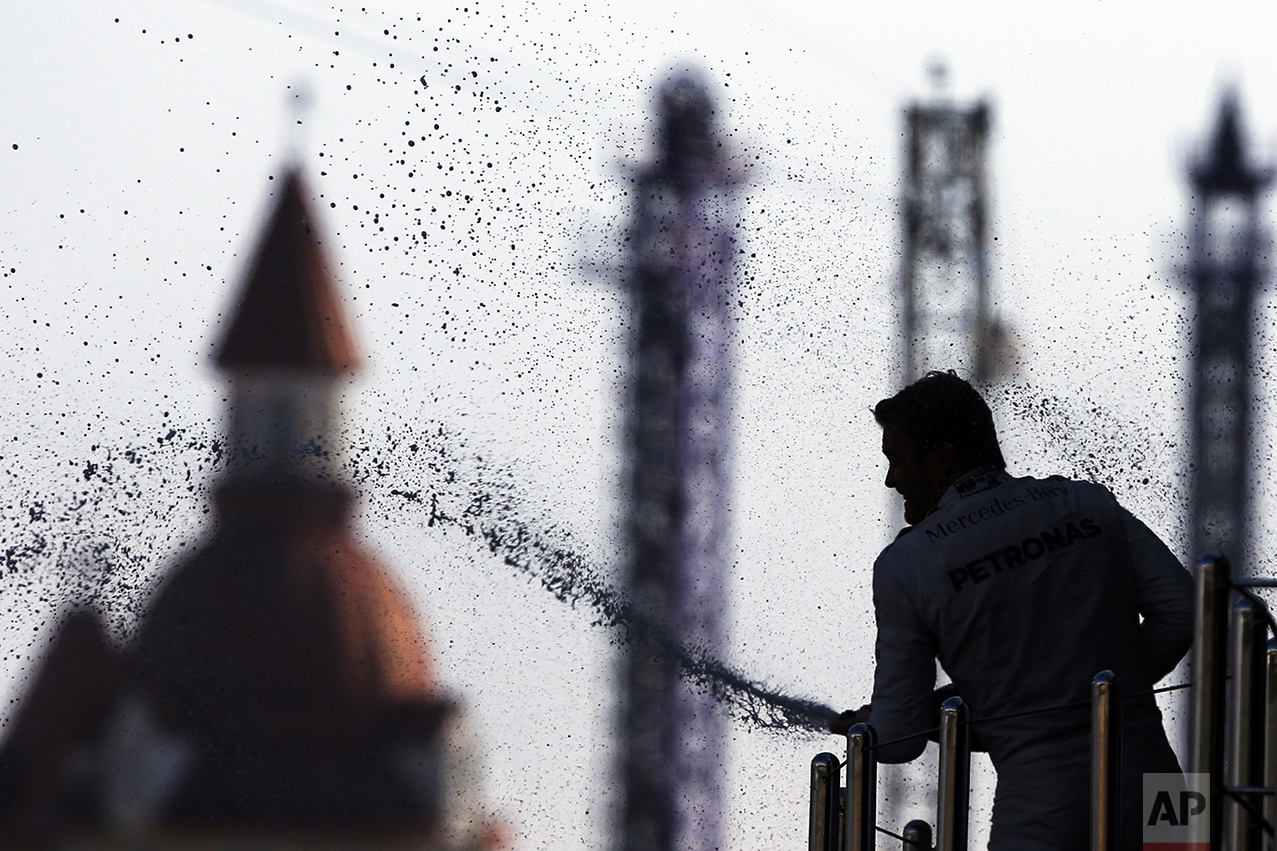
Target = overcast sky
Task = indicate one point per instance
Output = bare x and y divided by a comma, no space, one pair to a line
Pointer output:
139,145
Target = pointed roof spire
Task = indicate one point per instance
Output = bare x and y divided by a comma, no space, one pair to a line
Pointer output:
289,315
1224,168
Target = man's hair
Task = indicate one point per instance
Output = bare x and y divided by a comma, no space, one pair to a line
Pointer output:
942,408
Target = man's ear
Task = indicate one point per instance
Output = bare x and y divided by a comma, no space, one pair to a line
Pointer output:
946,455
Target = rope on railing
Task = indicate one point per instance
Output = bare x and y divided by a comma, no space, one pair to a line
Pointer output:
1239,793
1245,591
1070,705
901,837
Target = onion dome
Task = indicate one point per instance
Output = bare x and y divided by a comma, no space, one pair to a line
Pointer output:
295,665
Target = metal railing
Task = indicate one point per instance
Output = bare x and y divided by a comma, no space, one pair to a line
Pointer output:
1206,701
1270,734
916,836
1106,762
953,792
1232,738
1245,722
861,800
822,830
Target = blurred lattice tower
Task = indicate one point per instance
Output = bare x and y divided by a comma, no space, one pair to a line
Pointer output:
671,733
947,321
945,279
1224,275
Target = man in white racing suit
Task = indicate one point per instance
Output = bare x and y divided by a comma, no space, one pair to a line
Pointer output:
1024,589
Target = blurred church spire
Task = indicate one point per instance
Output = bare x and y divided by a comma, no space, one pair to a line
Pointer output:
287,349
281,692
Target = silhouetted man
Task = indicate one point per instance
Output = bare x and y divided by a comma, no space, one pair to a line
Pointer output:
1024,589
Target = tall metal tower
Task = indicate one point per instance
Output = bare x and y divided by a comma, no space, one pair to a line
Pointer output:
1224,273
945,280
683,259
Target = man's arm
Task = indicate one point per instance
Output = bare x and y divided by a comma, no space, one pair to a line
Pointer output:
1164,595
905,674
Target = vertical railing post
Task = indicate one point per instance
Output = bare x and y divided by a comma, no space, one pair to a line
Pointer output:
822,829
862,789
1206,704
1246,719
1270,736
1106,762
953,793
917,836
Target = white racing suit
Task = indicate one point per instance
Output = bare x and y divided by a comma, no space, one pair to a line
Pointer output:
1025,589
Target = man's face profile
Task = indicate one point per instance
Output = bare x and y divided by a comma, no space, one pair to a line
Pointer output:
921,477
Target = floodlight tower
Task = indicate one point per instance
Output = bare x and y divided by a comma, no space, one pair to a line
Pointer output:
1224,274
678,425
945,280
